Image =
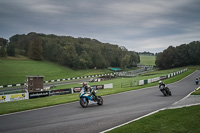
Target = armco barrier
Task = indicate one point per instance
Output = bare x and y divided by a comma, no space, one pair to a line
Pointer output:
149,81
142,82
145,81
57,80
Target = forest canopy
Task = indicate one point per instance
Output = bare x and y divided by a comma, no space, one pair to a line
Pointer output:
183,55
78,53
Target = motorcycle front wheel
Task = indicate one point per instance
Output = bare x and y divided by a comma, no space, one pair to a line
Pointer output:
84,103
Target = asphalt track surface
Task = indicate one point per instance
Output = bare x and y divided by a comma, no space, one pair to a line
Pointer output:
117,109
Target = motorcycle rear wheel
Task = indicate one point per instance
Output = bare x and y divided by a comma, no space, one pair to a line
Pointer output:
100,100
164,92
170,93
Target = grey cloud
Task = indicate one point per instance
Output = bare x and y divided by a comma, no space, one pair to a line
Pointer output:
137,25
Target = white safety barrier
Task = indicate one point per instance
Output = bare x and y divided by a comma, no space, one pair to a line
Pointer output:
141,82
108,86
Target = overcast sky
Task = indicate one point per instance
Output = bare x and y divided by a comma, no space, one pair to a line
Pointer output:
139,25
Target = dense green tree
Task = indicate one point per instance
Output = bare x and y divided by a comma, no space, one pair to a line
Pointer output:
2,51
35,49
3,43
185,54
125,61
73,52
181,55
194,52
10,50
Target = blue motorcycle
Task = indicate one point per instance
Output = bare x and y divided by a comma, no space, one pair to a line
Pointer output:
86,97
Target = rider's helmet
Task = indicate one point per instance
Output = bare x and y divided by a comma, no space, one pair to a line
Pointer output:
160,82
84,84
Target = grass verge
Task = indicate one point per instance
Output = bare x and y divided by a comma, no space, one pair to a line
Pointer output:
184,120
197,92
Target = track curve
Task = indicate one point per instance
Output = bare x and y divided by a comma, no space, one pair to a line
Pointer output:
117,109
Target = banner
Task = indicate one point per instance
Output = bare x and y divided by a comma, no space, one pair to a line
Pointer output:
77,89
60,92
108,86
15,97
2,99
38,94
99,87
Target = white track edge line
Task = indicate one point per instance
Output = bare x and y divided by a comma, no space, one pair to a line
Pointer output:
133,120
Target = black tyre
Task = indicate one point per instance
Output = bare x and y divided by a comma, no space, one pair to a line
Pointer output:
84,104
164,92
100,100
170,93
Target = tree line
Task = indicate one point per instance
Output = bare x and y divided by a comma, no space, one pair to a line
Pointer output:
146,53
183,55
77,53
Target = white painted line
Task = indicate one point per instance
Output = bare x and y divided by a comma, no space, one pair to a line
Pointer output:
185,97
133,120
149,115
189,105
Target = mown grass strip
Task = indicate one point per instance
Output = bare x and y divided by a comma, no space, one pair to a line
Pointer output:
183,120
196,92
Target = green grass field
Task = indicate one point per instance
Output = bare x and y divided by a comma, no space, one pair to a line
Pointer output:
147,60
14,71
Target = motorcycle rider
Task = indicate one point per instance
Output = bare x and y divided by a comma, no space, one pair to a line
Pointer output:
197,80
90,90
85,87
161,85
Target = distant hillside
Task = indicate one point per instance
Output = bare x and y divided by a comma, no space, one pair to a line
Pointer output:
14,70
146,53
147,60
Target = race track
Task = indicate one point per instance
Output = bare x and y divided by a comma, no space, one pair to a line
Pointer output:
117,109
